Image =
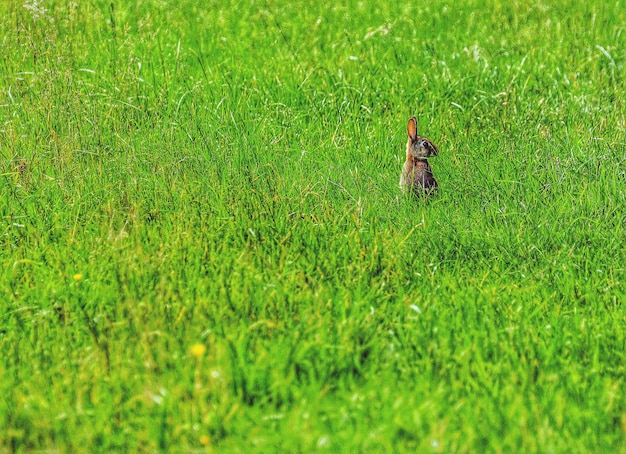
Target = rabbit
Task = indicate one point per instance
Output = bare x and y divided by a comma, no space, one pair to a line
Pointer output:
417,176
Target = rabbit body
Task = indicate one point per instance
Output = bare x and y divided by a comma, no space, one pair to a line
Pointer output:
417,175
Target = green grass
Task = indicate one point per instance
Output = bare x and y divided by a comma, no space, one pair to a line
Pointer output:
227,175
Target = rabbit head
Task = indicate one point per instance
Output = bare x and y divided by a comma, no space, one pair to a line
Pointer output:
418,147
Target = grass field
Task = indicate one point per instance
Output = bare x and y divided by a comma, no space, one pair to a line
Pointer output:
204,247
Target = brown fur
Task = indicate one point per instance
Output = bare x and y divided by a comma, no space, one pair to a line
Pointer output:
417,175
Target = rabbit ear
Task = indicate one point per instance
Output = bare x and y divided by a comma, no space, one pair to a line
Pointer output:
411,129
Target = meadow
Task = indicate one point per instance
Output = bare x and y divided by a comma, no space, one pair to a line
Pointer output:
204,247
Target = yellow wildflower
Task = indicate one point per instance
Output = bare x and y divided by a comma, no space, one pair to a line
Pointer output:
197,350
